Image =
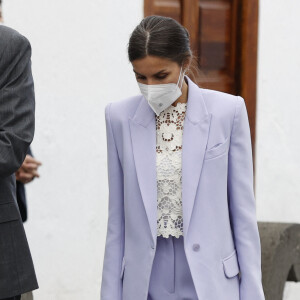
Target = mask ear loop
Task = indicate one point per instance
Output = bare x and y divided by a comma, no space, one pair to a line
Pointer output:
182,77
178,78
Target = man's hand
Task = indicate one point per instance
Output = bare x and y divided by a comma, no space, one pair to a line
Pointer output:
28,170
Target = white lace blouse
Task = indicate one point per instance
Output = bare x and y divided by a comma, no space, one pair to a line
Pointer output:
169,128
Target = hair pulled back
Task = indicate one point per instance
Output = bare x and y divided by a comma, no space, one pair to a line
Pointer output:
159,36
163,37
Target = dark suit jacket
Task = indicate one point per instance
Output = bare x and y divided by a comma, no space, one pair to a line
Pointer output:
21,196
17,125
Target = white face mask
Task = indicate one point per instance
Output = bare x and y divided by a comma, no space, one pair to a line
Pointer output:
161,96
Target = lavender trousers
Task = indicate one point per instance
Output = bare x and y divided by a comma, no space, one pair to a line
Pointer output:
170,276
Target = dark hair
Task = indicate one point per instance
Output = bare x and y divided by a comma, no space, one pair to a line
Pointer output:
163,37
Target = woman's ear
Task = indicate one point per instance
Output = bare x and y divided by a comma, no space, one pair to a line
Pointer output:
187,63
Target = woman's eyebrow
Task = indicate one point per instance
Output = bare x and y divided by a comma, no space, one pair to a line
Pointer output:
137,72
153,75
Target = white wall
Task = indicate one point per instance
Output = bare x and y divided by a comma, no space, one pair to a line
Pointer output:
278,117
79,64
278,111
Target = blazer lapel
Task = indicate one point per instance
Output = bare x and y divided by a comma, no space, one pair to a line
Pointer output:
143,137
195,135
194,140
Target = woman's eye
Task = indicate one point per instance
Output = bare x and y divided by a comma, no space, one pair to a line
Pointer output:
161,76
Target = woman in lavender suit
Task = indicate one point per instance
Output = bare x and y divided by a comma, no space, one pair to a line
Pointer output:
182,217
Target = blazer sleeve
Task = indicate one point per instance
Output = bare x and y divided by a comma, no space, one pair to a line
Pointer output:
111,286
17,104
242,206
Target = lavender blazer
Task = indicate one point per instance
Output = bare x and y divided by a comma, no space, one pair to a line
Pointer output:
221,237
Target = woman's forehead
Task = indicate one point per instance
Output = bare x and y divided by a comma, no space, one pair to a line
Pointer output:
153,64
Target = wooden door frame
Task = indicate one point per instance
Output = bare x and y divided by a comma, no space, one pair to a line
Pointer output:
247,75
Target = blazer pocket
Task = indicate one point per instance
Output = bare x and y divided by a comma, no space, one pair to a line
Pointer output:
218,149
231,265
122,267
8,212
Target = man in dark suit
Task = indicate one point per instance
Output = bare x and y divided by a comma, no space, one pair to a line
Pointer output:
25,174
17,125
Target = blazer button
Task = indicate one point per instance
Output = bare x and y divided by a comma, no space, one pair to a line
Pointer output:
196,247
